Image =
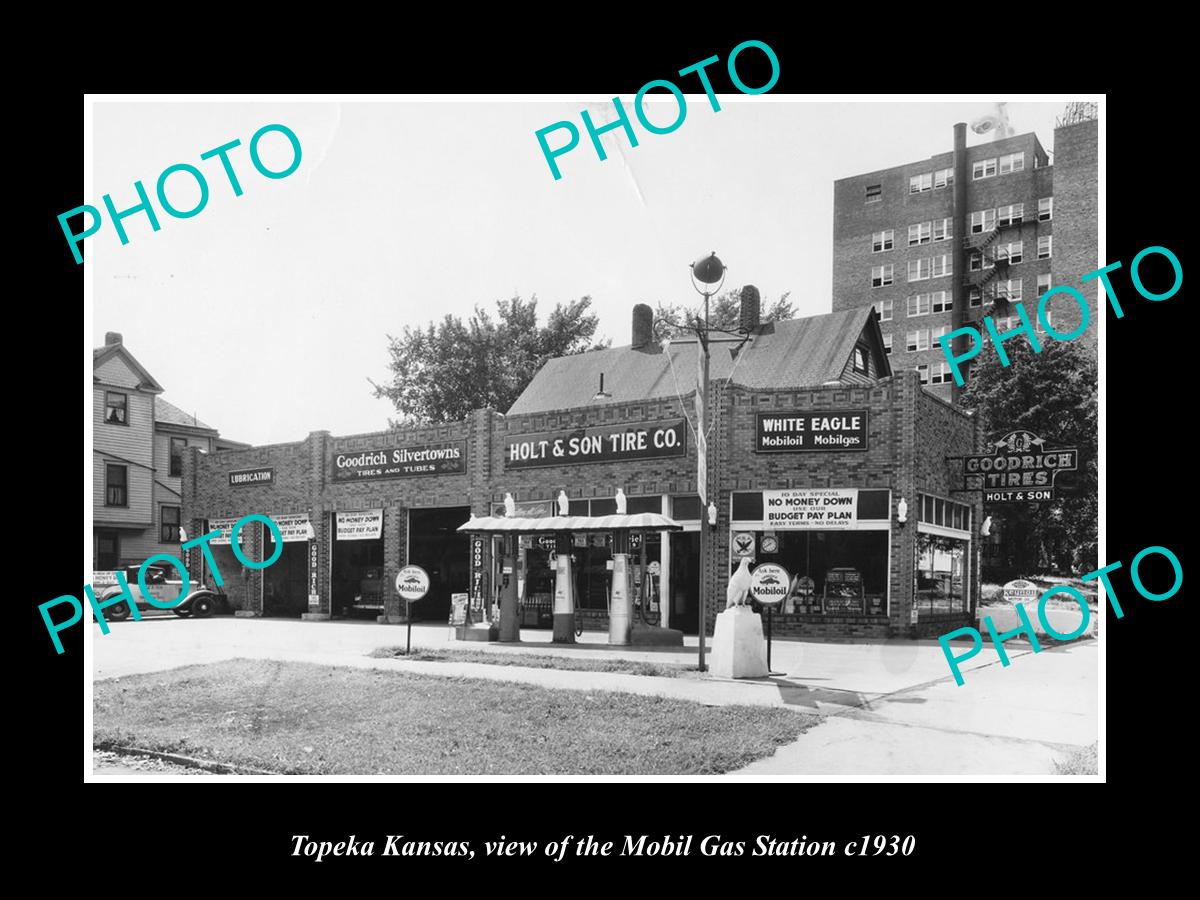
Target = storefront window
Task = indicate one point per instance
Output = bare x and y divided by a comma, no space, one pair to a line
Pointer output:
940,568
832,572
942,556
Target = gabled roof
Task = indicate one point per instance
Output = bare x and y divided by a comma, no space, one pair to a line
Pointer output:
169,414
100,355
793,353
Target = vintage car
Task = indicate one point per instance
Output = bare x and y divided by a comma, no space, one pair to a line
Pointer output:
201,601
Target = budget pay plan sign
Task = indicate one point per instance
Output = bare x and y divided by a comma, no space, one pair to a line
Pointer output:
810,508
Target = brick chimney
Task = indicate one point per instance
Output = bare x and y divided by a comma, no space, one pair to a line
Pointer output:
112,337
751,309
643,326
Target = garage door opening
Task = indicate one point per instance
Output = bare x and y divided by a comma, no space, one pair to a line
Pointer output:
285,582
358,586
435,545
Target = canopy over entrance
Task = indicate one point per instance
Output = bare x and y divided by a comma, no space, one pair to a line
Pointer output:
528,525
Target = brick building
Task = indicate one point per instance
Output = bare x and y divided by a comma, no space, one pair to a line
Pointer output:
820,459
138,440
939,243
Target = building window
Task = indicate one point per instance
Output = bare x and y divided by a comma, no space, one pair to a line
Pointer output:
978,260
975,297
884,308
920,183
1013,252
941,265
1010,215
1012,162
881,275
1013,289
858,361
176,467
918,305
1038,322
169,525
116,408
1044,246
943,301
923,373
882,240
1007,323
108,549
1043,284
982,221
919,233
887,344
918,269
940,374
1045,209
943,177
116,485
938,332
917,340
874,193
985,168
943,229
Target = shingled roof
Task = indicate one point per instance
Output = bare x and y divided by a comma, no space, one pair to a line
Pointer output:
169,414
793,353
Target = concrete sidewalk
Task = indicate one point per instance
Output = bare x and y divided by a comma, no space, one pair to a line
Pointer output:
891,707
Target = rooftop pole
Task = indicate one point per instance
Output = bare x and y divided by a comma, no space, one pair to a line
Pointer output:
708,271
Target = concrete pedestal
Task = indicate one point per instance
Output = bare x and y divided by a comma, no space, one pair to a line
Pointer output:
738,647
315,617
648,636
479,631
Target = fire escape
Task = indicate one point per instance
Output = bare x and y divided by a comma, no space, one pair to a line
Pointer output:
981,243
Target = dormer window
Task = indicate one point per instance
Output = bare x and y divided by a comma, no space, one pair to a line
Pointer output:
859,361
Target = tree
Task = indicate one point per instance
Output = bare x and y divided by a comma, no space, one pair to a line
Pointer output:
1052,394
725,312
442,372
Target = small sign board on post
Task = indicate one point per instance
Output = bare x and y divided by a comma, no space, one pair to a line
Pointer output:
769,583
1019,590
412,583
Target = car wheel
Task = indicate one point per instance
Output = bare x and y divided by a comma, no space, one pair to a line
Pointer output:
202,607
182,613
117,613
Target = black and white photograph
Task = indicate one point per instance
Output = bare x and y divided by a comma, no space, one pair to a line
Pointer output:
702,432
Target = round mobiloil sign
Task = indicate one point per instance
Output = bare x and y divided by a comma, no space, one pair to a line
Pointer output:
412,583
769,584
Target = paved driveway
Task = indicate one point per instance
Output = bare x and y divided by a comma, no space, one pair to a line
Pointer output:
891,707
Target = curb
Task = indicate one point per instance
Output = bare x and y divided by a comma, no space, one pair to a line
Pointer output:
192,762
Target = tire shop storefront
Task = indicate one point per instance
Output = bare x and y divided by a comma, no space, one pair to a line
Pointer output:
818,458
352,511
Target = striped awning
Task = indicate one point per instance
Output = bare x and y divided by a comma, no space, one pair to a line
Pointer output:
525,525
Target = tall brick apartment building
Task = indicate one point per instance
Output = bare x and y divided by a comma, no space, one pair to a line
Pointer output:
939,243
820,459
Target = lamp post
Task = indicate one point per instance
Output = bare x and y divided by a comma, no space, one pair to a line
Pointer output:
708,274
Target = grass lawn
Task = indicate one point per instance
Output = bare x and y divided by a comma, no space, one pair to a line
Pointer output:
538,661
1082,762
300,718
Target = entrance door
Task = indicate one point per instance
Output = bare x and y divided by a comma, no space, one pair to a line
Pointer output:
285,582
436,545
685,581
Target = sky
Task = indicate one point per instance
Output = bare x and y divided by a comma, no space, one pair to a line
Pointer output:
266,314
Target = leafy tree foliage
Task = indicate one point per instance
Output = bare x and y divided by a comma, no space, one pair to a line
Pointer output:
442,372
1053,394
674,319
